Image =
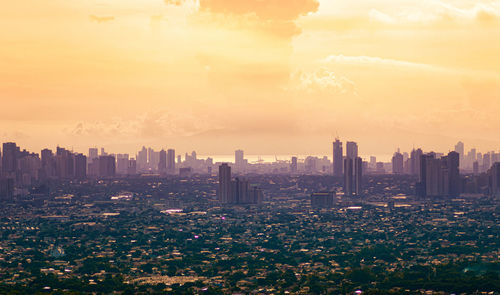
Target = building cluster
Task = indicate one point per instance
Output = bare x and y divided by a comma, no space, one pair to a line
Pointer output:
238,190
350,165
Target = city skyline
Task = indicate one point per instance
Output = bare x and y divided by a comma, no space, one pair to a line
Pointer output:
383,73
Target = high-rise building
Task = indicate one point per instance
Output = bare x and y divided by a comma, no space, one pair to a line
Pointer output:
65,164
225,183
80,166
439,176
239,160
351,149
93,154
293,165
122,161
348,176
358,176
171,161
48,165
6,189
494,174
337,158
107,166
415,161
132,167
460,149
142,159
162,163
397,163
9,158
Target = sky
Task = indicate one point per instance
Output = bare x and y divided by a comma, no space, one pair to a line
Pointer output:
266,76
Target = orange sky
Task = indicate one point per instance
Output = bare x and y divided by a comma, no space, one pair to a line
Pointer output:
270,77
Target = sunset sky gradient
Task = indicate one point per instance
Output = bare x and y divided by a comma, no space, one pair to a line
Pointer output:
270,77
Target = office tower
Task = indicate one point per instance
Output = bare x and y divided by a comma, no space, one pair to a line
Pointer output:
28,168
93,154
80,166
179,159
103,153
494,175
322,200
9,158
239,160
397,163
293,165
65,164
351,150
171,161
415,161
486,162
257,195
48,164
162,163
122,161
107,166
6,189
460,149
439,176
358,176
337,158
311,164
153,159
132,167
142,159
373,162
239,191
348,175
224,183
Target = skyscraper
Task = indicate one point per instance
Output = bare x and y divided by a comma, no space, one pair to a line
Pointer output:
337,158
397,163
107,166
171,161
358,176
224,183
93,154
351,150
348,181
80,166
239,161
162,163
439,176
293,165
9,158
460,149
494,175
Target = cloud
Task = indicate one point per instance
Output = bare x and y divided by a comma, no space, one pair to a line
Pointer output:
323,80
102,19
370,60
276,17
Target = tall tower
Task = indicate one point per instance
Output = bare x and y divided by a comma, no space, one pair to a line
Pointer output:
225,183
293,166
239,160
337,157
358,176
351,150
348,181
171,161
162,163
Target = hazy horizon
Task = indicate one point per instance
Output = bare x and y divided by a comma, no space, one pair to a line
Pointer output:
270,77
